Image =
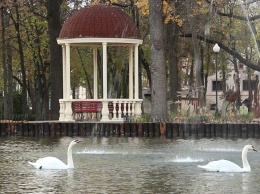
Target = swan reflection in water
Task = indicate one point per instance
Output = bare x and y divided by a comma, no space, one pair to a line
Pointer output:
55,163
228,166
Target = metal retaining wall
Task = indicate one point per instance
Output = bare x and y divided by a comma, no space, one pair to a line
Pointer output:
169,130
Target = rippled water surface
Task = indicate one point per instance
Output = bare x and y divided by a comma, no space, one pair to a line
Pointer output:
126,165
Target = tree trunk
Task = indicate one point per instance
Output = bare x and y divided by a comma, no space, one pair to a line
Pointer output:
54,26
146,65
158,67
199,87
171,55
87,76
250,92
4,63
237,81
9,94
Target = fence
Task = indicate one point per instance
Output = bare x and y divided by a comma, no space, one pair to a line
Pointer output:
168,130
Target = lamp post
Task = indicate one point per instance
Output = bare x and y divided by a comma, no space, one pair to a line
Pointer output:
216,49
256,74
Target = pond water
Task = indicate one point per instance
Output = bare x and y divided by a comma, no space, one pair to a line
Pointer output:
126,165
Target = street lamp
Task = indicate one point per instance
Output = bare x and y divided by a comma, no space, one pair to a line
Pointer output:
256,74
216,49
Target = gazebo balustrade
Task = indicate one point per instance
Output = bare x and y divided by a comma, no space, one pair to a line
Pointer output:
108,110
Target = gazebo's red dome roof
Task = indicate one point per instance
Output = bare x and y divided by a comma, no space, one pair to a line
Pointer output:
100,21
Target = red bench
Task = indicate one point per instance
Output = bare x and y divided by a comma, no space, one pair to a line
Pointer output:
81,107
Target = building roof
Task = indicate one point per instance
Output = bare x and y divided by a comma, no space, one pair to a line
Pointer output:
99,21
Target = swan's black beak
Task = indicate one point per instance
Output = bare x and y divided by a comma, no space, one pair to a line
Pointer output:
254,149
77,140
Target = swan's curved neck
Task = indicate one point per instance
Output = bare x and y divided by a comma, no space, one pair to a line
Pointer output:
70,159
246,165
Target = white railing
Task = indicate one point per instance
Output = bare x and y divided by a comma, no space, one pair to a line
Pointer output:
112,109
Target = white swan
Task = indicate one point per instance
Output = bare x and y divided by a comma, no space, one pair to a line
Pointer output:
227,166
55,163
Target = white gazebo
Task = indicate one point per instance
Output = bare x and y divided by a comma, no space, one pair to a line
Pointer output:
101,26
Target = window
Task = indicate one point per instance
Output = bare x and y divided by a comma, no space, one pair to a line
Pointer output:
220,86
246,84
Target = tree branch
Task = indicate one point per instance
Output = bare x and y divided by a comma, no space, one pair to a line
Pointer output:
244,18
228,50
238,17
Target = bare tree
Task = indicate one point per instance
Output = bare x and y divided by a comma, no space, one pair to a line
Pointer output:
197,56
16,19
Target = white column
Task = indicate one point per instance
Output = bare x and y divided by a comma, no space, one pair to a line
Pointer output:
104,70
105,111
64,70
67,71
137,107
136,73
95,73
131,80
64,83
68,110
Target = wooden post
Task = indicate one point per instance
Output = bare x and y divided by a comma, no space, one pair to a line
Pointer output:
169,131
122,129
244,130
133,129
175,130
151,129
127,129
140,130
